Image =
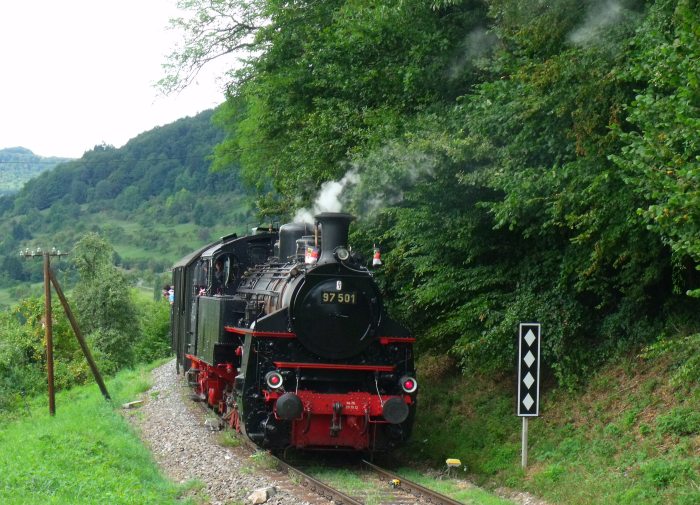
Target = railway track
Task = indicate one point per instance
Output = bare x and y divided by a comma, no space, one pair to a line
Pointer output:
380,486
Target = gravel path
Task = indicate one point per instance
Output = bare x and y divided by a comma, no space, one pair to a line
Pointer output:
173,428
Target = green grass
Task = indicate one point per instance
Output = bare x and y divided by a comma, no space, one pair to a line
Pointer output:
351,483
86,454
629,437
355,484
229,438
456,488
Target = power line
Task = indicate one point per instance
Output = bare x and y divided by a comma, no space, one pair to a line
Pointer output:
85,162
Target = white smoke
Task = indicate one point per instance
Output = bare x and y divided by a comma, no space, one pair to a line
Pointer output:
598,18
328,198
478,44
387,173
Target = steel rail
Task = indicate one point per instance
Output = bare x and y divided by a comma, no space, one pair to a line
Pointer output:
317,486
414,488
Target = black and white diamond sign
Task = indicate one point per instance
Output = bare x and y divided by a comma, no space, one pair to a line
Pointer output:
529,370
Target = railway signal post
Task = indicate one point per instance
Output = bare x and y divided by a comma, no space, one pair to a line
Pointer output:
528,378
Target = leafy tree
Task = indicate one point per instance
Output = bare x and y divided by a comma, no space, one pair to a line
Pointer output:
105,309
14,268
154,319
661,156
215,28
23,352
335,78
20,232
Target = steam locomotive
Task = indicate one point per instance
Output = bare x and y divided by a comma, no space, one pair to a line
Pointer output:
283,333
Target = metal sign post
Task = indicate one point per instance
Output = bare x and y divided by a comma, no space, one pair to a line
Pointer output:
523,445
528,378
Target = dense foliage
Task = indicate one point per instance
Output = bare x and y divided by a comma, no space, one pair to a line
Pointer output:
517,160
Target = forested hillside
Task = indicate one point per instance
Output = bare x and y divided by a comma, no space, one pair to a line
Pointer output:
516,160
18,165
155,199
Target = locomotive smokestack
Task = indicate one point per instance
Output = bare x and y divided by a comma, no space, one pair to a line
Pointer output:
334,233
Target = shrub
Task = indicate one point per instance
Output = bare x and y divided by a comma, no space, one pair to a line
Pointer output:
154,342
113,349
661,472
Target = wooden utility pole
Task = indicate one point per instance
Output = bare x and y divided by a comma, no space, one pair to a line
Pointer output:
49,278
48,331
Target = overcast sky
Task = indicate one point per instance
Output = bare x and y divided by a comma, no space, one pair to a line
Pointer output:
76,73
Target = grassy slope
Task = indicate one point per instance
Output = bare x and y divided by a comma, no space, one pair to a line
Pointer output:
86,454
628,437
172,241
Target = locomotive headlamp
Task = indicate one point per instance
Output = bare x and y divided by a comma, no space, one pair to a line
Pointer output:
341,253
408,384
273,380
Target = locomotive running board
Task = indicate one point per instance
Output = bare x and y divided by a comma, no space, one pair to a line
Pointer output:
255,333
335,366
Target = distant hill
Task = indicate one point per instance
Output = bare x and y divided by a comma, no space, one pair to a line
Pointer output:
154,199
18,165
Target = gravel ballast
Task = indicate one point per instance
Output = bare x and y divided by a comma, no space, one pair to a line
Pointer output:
174,429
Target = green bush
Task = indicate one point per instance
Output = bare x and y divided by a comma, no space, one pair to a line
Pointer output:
23,353
154,341
113,349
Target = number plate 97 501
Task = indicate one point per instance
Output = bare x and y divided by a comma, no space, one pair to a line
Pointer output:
344,297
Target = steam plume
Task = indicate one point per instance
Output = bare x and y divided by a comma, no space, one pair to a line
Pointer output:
329,197
597,20
387,174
